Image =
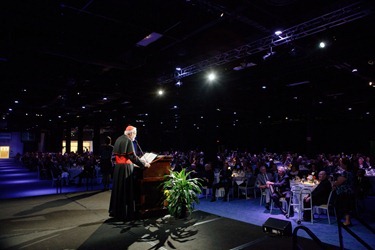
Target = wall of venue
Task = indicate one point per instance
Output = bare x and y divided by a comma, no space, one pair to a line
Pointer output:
320,136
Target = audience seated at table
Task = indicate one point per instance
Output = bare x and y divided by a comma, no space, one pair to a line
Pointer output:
262,179
294,172
319,195
207,176
88,171
314,171
240,159
225,181
281,187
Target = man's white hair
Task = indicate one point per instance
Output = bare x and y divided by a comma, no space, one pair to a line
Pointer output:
281,168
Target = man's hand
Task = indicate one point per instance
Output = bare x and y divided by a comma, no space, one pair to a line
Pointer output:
147,165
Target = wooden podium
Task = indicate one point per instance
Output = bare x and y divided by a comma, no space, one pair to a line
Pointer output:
151,195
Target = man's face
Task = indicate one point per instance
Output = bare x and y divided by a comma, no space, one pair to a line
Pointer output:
132,136
281,172
322,176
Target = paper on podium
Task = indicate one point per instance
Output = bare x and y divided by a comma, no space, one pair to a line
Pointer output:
149,157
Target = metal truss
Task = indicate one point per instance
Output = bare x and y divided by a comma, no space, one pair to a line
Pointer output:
336,18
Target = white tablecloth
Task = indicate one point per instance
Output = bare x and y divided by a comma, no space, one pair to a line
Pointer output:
298,189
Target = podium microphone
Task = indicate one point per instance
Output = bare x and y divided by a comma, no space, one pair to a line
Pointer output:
140,149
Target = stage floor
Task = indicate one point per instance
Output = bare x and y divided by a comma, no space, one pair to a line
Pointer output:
80,221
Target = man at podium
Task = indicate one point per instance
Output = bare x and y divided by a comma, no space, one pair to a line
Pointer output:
122,203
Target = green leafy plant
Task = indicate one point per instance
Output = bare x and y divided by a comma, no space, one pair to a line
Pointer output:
181,192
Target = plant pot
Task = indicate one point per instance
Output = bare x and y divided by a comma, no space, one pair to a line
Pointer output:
184,213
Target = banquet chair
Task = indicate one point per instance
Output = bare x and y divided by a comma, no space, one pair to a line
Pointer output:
327,206
56,181
207,191
284,204
262,197
220,192
250,184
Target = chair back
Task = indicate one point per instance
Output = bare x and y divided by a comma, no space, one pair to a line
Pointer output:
306,191
296,190
330,198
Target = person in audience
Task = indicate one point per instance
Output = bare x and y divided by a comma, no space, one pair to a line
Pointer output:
294,172
262,179
362,187
345,193
122,202
362,164
368,162
281,189
225,181
88,171
208,176
314,171
273,170
318,196
106,166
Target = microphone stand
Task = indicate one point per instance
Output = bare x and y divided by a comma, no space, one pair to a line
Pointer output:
140,149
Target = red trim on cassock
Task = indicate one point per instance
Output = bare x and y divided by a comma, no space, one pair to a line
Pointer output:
120,159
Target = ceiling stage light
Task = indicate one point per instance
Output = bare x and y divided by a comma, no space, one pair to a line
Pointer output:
211,76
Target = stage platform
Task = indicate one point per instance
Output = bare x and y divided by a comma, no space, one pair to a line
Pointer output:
80,221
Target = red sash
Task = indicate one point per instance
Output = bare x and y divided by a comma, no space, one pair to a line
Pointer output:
120,159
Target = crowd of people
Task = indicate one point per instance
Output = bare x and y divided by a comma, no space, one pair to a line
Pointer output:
343,173
57,165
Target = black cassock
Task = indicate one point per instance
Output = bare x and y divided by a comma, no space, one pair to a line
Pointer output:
122,204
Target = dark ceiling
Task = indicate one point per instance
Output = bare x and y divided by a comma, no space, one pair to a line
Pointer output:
57,57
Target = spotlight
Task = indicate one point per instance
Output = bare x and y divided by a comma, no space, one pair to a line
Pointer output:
211,77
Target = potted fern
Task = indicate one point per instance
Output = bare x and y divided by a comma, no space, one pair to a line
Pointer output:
181,192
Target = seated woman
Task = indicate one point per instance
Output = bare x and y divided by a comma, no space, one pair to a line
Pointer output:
314,171
294,172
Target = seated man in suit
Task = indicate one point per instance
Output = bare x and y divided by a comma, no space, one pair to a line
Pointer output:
319,195
261,181
281,189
